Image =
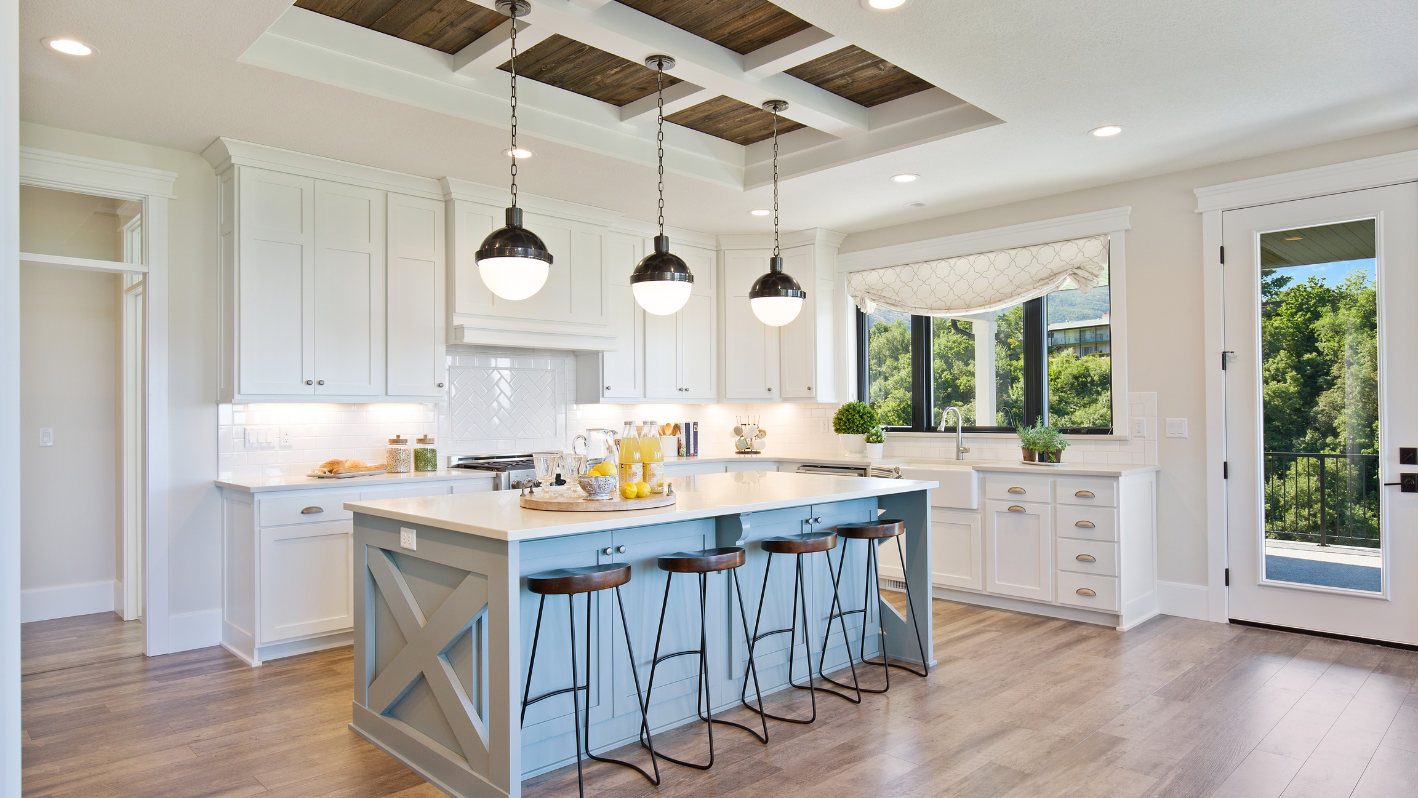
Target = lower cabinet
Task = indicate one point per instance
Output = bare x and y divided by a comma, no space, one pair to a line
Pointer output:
957,553
1019,557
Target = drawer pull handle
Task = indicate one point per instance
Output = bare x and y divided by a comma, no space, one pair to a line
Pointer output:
1086,558
1084,494
312,510
1085,524
1016,490
606,551
1085,591
1014,508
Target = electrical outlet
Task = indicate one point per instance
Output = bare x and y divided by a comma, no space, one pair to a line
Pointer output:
46,437
825,426
1176,428
408,538
286,437
1139,428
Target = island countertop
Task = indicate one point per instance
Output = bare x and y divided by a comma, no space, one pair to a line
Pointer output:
500,516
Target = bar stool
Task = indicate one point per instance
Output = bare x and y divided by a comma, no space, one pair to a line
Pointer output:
869,532
703,563
798,546
568,582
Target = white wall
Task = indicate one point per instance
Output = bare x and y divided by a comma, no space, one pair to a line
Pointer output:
1164,306
68,372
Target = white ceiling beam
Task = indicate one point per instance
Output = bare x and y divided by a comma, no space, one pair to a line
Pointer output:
784,54
678,97
630,34
490,50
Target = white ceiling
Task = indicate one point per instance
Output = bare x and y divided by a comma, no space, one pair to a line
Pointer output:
1193,83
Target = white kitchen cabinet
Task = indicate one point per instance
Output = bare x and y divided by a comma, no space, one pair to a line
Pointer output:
305,580
679,352
750,346
957,550
348,290
1019,552
417,365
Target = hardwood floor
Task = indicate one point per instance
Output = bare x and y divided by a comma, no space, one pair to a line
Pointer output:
79,640
1018,706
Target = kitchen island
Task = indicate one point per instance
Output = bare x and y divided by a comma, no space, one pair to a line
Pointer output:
444,623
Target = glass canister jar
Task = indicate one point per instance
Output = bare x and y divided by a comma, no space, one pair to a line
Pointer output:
425,454
399,458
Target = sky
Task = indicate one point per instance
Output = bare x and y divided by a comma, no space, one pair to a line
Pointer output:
1328,273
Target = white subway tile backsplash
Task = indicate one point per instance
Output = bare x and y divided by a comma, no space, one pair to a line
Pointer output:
319,432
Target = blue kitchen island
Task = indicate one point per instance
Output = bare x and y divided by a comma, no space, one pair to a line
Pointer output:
444,622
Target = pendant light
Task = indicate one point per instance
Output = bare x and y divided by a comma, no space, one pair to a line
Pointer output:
661,281
776,298
513,261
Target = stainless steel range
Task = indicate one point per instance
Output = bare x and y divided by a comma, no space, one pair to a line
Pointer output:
508,470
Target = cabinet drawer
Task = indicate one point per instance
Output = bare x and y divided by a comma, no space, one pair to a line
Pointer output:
1014,488
306,509
1087,556
1089,523
1096,492
1088,591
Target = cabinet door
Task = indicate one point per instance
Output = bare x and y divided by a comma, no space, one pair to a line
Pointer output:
750,346
417,364
623,375
696,348
349,290
662,357
957,559
1019,558
305,580
798,338
276,283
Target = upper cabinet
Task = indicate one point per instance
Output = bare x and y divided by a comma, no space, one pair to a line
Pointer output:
417,364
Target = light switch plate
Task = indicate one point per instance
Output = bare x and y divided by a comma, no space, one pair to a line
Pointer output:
46,437
408,538
1176,428
1139,428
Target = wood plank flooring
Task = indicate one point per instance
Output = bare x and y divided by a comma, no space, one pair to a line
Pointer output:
79,640
1018,706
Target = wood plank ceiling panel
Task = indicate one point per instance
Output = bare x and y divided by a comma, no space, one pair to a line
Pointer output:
571,65
859,76
447,25
740,25
731,120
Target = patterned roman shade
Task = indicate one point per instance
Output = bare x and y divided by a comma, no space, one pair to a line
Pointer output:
982,283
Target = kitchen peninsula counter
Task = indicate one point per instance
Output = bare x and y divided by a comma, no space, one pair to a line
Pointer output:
444,622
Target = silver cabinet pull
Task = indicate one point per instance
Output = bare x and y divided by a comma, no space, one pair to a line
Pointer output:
1084,494
1086,558
1014,508
1016,490
809,387
619,549
608,387
1085,524
311,510
440,385
310,382
770,390
606,550
817,520
319,382
1085,591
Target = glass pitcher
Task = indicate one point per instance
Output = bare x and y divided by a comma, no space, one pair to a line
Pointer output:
597,445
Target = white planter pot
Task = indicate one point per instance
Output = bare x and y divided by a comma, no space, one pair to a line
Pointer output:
855,444
875,451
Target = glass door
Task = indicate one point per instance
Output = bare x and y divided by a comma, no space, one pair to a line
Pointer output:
1319,324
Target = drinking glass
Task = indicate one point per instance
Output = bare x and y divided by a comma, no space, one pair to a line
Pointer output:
548,465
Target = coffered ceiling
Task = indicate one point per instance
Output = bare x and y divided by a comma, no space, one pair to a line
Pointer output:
845,103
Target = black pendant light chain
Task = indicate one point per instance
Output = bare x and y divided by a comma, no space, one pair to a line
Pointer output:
775,181
513,152
660,139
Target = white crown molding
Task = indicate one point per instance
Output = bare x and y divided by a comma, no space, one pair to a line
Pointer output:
76,173
1020,235
451,188
1384,170
795,238
226,152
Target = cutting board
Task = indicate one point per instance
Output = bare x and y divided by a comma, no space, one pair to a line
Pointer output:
580,504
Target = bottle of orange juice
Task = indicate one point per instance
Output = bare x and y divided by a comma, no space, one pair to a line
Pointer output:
652,457
631,472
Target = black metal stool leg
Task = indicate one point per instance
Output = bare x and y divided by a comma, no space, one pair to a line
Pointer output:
532,663
575,699
752,668
846,641
644,718
799,592
915,623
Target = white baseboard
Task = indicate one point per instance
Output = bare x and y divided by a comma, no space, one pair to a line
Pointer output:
189,630
1183,600
65,601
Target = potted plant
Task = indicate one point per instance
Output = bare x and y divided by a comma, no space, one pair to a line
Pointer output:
876,443
1041,443
853,421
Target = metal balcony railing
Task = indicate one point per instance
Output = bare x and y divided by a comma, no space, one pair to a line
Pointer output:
1322,498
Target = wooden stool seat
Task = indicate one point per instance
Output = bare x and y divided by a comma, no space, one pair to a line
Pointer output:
800,544
585,579
872,530
703,562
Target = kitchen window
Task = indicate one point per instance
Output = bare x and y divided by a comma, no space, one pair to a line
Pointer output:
1048,356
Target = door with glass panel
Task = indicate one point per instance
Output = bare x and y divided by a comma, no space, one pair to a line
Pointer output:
1321,382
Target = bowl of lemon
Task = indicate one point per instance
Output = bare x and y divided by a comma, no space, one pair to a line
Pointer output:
601,482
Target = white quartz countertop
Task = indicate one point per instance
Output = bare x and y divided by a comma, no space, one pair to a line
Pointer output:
498,514
1066,469
264,484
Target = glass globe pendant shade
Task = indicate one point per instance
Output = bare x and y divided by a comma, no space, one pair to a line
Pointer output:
661,281
776,298
513,261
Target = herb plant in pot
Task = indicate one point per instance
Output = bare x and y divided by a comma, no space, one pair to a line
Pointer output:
852,422
876,443
1041,443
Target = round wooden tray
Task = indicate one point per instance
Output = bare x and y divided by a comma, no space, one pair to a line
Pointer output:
581,504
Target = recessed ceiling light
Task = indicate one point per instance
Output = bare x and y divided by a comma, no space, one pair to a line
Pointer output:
760,212
916,204
883,5
520,152
69,46
906,178
1296,238
1106,131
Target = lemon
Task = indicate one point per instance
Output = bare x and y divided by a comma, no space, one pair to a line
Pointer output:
603,469
628,490
642,490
